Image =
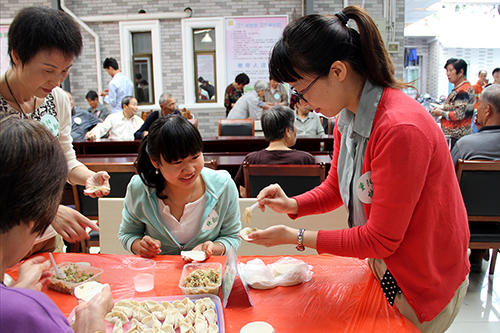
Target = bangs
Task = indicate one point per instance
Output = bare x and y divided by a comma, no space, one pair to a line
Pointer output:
179,142
281,64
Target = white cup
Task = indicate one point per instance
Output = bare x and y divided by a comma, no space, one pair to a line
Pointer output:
144,277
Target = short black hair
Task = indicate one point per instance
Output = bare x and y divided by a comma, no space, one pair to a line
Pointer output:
126,100
138,76
110,62
458,64
92,95
33,174
275,122
144,82
36,29
495,70
172,137
242,78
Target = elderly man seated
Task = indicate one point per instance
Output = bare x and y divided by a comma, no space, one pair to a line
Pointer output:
278,124
308,122
167,106
249,105
120,125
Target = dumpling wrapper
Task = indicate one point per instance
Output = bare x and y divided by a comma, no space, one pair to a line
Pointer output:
88,290
209,304
194,255
200,325
257,326
247,231
95,189
213,328
185,327
210,316
118,328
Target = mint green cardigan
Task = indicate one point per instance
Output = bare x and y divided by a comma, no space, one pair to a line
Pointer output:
220,221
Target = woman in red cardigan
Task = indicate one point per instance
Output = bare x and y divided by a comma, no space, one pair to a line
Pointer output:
391,169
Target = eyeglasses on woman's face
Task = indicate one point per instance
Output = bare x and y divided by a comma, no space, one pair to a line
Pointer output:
300,95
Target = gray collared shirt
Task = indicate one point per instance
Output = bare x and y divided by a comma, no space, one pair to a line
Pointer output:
356,129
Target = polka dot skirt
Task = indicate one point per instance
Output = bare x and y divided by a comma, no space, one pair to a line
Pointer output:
389,287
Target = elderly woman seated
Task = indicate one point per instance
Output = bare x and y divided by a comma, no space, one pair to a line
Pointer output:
278,124
33,175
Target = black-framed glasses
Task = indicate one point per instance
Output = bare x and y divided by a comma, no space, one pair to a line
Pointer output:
300,95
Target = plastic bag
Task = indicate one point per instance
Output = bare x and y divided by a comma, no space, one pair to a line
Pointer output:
287,271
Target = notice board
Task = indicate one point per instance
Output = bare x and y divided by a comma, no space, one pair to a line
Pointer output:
249,42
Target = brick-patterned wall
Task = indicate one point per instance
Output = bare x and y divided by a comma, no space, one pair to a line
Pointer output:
83,73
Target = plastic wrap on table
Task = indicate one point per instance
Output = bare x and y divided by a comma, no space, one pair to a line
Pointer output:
342,296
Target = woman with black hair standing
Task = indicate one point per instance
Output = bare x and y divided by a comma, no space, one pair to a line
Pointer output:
391,169
43,43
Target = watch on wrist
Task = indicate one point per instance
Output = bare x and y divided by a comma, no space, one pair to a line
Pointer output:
300,239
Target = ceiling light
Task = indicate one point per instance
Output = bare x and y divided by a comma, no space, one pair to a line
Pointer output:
206,39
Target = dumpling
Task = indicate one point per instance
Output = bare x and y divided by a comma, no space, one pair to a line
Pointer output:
160,314
148,304
188,302
167,328
182,308
199,305
118,328
186,327
114,316
209,304
140,314
168,306
151,322
128,312
200,325
213,328
211,316
190,317
136,325
173,318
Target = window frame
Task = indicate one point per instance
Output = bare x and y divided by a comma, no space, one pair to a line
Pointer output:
126,52
188,26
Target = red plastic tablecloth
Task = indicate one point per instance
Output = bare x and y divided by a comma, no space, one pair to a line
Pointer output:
343,295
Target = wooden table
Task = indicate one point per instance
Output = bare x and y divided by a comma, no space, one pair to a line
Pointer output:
230,161
242,144
343,295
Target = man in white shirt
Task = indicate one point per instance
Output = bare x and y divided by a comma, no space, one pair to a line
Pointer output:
119,86
249,105
122,125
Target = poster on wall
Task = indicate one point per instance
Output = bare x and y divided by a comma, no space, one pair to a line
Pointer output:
249,42
4,57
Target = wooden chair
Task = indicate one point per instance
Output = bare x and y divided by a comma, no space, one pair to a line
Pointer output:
212,164
479,181
236,127
110,218
293,179
88,206
145,114
194,122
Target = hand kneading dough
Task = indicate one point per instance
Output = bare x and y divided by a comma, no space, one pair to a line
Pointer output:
257,326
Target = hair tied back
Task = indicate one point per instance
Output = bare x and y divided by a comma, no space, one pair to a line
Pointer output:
342,17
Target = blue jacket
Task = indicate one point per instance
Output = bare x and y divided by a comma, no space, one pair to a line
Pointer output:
220,221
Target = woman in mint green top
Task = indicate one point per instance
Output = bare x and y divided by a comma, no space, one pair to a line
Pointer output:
174,203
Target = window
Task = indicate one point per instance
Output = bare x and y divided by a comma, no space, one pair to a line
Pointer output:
141,60
204,65
143,67
203,49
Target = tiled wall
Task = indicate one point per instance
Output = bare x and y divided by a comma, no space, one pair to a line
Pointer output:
83,73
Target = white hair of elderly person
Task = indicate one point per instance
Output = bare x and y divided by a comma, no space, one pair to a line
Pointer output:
250,105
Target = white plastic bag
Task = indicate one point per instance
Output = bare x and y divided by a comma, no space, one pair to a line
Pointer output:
287,271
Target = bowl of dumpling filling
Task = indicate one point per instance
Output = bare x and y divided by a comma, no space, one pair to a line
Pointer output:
76,275
201,278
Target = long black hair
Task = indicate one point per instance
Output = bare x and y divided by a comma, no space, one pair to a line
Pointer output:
311,44
172,138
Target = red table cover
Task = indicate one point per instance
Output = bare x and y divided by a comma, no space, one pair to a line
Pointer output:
343,295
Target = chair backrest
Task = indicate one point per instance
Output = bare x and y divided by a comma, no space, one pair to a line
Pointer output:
293,179
334,220
236,127
479,182
145,114
212,164
194,121
88,206
110,218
